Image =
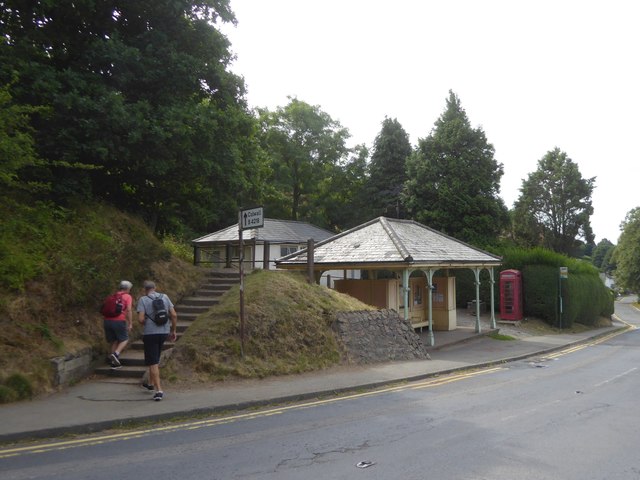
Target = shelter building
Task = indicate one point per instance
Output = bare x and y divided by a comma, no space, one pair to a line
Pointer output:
406,267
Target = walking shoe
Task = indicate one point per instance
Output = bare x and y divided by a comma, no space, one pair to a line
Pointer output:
158,396
115,361
146,386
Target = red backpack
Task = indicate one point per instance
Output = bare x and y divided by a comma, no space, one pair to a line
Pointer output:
113,305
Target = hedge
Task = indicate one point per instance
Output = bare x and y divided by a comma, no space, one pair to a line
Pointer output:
585,298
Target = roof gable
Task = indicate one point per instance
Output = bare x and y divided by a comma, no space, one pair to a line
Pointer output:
385,240
274,230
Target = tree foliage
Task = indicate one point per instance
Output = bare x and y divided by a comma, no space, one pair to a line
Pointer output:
602,254
17,148
554,207
343,200
454,180
143,111
387,170
627,252
304,146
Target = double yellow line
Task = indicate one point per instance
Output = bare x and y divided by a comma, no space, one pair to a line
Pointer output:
101,439
429,383
596,341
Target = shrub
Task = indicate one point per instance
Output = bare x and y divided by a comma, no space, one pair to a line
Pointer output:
540,288
178,248
584,296
7,395
19,384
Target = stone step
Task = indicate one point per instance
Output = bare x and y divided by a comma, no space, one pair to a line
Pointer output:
212,290
195,309
182,326
215,284
198,302
124,372
138,345
219,274
132,357
221,282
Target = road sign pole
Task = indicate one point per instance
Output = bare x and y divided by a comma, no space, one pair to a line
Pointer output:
247,219
241,284
564,273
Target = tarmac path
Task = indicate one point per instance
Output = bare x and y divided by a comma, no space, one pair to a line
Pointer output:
97,406
567,413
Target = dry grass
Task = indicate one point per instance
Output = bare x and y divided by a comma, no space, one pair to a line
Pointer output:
535,327
56,314
35,329
287,330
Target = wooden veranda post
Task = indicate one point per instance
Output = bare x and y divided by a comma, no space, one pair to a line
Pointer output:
311,276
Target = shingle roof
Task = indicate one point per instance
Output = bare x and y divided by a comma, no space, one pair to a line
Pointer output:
274,231
391,241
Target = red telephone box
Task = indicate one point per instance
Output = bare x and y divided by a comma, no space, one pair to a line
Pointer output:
511,295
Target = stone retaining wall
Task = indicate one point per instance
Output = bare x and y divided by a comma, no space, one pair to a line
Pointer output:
72,367
371,336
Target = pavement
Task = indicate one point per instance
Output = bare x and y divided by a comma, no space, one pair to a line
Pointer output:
97,404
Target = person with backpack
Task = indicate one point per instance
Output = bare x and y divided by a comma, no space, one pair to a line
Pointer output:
159,319
117,311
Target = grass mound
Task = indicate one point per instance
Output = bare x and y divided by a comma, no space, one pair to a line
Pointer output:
287,330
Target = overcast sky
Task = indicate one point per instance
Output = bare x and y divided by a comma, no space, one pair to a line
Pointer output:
533,75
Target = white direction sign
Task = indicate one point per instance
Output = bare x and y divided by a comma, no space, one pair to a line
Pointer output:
252,218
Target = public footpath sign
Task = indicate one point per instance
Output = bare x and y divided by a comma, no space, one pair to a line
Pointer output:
252,218
564,274
249,218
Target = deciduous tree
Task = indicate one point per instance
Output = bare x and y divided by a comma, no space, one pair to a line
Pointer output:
17,150
304,144
144,111
554,207
601,252
627,252
342,200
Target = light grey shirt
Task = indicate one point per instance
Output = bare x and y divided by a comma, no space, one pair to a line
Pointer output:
144,305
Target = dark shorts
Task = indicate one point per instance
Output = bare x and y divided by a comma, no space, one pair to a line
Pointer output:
116,330
153,348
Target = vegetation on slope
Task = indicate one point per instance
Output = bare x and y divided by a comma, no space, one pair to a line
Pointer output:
287,330
57,266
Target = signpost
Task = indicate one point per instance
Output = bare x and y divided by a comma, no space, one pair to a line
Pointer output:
247,219
564,273
252,218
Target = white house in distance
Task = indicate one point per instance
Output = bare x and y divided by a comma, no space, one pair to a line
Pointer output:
262,246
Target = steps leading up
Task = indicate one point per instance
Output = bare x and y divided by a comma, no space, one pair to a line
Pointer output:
215,284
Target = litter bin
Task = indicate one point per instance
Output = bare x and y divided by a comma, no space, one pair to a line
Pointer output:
471,307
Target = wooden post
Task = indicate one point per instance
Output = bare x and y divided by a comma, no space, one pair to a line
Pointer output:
253,254
266,255
310,260
228,253
241,286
